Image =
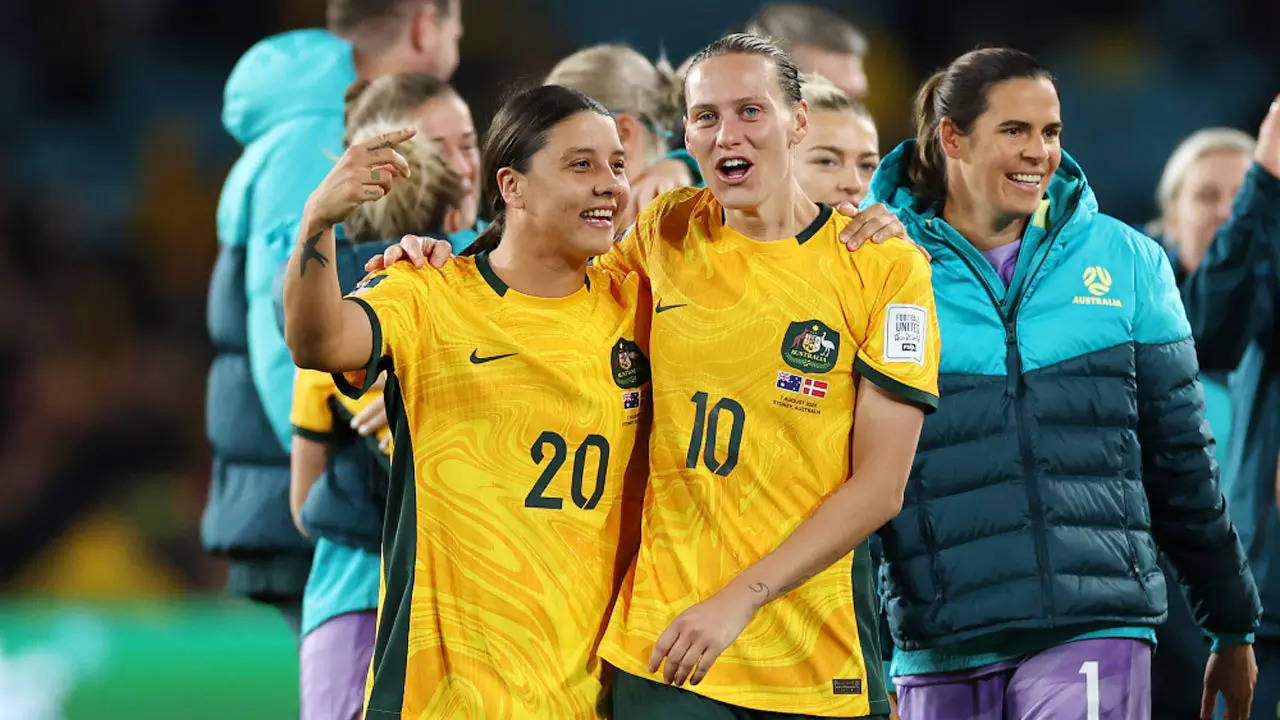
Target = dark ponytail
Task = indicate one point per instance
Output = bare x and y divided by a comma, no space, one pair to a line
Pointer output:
928,168
959,92
518,131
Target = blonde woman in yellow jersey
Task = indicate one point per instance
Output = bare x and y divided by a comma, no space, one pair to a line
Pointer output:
791,378
516,387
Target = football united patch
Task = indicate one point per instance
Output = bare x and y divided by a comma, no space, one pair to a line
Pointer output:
630,366
905,331
810,346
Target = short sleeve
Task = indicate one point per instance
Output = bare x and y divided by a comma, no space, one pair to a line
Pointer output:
902,345
310,414
395,302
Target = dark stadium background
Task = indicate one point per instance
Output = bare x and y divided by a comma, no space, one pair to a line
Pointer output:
111,158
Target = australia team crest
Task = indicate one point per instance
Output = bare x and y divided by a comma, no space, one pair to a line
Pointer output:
630,366
810,346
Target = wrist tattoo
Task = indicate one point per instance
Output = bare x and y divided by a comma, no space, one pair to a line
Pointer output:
309,253
759,587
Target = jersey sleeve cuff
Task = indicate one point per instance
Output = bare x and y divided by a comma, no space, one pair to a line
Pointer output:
926,401
1223,640
346,382
316,435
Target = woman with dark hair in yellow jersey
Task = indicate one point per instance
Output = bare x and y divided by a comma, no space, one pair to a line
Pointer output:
517,390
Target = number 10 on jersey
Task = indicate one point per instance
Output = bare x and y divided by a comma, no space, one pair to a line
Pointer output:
706,430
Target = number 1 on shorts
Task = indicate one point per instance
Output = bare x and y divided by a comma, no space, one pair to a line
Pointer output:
1090,672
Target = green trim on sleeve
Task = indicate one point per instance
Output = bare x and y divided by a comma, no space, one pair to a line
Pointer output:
928,402
375,356
316,435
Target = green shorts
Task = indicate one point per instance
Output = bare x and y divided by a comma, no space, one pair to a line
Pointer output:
637,698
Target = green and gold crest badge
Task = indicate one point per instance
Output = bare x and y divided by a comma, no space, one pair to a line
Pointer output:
630,366
810,346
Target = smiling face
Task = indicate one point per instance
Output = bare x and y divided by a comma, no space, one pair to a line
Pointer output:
1004,164
446,119
740,128
574,185
838,156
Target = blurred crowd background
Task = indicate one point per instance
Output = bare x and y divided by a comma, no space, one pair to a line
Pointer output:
112,154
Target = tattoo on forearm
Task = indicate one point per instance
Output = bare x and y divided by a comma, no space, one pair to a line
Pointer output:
309,253
768,593
796,584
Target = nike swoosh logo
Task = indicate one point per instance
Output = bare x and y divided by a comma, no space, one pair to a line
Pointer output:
663,308
477,360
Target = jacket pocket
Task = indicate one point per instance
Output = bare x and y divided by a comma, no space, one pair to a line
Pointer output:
931,548
1126,509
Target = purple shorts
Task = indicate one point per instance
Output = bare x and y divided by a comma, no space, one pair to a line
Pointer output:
333,665
1099,679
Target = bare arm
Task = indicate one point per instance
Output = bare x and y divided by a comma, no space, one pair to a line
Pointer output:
884,443
322,331
886,430
307,461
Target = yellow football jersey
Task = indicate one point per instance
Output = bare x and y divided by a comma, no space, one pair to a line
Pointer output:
756,350
515,487
318,407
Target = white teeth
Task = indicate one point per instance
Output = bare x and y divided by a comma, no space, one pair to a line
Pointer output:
603,214
734,164
1027,178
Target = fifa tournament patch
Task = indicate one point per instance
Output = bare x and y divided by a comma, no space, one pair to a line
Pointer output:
846,686
630,366
810,346
904,333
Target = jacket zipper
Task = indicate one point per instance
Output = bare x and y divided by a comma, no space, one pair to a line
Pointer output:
1014,389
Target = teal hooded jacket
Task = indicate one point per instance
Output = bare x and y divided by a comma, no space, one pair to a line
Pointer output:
1069,440
284,104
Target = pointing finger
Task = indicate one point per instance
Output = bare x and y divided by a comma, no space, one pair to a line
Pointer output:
391,139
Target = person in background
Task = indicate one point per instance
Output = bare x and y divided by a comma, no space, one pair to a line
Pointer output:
644,99
284,104
338,485
443,120
1196,189
840,153
1021,577
1222,214
821,42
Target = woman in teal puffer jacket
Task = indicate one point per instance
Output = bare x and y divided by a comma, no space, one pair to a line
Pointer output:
1020,578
